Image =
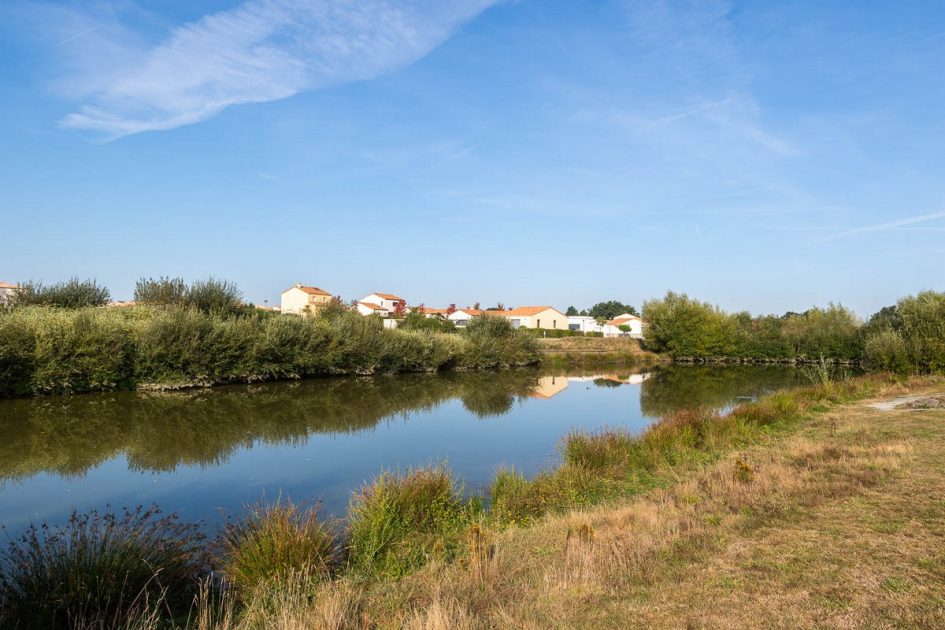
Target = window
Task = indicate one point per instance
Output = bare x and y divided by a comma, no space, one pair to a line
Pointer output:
537,323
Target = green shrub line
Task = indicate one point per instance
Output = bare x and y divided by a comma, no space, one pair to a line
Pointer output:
48,350
908,337
396,524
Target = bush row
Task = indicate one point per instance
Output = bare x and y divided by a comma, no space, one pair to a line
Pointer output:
906,337
48,350
108,568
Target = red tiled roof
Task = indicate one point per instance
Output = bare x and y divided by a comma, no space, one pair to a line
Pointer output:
523,311
7,285
388,296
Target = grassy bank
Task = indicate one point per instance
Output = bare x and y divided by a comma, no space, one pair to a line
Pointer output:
46,350
620,514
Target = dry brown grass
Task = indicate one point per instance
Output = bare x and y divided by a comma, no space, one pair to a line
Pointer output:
839,524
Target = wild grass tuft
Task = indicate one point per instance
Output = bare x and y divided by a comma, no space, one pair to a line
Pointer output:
100,569
272,543
400,521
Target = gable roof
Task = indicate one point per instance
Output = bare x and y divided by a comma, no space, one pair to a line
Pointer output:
426,310
309,290
388,296
373,306
7,285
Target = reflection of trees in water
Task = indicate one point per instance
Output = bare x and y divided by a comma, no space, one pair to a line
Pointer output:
161,431
608,382
672,388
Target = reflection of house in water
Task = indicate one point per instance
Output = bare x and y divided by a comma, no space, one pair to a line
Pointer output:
621,379
549,386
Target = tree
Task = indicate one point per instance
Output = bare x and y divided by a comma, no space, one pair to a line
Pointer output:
476,306
400,308
571,311
450,309
611,309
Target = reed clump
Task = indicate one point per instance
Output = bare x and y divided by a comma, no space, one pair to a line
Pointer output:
273,543
398,522
100,569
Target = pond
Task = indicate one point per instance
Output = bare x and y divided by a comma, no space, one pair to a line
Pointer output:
206,453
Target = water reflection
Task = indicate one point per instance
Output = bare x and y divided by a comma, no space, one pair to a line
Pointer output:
322,438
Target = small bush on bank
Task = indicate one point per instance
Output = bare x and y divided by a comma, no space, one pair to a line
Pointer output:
273,543
73,293
99,569
398,522
494,342
887,350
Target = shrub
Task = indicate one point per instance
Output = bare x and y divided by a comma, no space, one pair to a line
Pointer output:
887,350
399,521
276,543
923,328
99,568
17,355
161,292
220,297
73,293
494,342
80,350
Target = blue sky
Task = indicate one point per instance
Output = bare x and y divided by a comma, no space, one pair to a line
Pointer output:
763,156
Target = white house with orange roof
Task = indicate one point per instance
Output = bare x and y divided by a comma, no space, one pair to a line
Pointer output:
7,290
383,304
633,324
301,299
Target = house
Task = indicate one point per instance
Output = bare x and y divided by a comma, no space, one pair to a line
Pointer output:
383,304
613,328
430,312
300,299
6,291
584,324
370,308
461,316
546,317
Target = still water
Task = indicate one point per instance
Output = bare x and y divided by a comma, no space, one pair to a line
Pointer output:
206,453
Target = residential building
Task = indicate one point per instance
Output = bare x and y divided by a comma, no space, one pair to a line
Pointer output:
584,324
6,291
546,317
426,311
383,304
300,299
635,325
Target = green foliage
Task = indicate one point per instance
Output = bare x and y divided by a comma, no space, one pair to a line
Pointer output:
685,328
418,321
210,296
161,291
610,309
571,311
494,342
278,542
73,293
923,329
99,568
45,350
399,521
887,350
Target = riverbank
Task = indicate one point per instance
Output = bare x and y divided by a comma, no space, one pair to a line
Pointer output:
832,519
595,352
613,533
48,350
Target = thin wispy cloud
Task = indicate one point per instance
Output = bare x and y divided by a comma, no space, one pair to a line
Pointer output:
259,51
906,223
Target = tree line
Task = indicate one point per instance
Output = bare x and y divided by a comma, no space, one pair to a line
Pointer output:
908,336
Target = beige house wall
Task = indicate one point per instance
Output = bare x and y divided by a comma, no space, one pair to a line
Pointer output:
295,300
